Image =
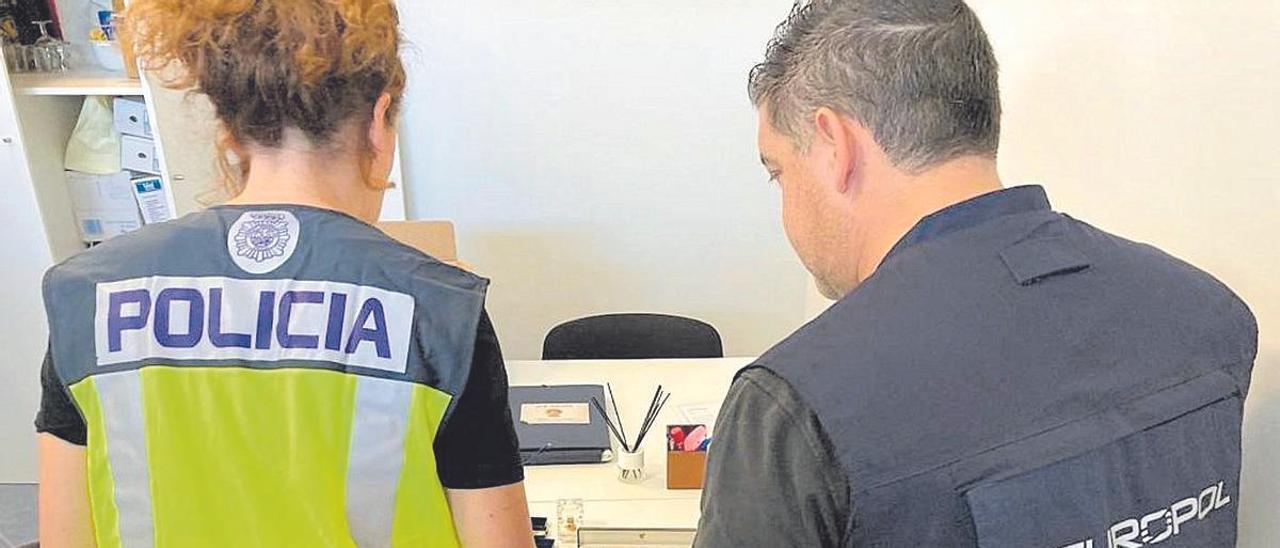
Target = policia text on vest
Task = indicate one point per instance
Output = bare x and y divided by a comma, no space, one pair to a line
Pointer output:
174,317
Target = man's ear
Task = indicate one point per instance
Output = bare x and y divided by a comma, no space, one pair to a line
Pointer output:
840,146
381,127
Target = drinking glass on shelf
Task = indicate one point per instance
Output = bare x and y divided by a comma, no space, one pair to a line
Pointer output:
19,57
28,56
49,53
13,55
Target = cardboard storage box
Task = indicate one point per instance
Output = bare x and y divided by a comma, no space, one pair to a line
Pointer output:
435,238
686,470
103,205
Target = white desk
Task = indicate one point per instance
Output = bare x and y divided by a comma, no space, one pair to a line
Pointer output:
608,502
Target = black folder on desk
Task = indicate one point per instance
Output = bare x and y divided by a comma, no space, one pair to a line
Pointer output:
561,443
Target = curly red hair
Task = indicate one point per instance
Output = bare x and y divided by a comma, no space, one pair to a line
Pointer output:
272,65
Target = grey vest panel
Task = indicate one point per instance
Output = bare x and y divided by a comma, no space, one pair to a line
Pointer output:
331,247
1031,381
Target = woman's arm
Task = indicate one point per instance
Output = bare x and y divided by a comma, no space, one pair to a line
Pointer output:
497,517
65,521
478,455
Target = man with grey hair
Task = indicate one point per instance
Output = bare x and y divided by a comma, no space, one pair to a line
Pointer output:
994,373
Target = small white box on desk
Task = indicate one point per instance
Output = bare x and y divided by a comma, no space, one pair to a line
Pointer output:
131,117
139,154
104,205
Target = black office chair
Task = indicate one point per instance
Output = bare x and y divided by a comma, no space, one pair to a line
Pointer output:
632,337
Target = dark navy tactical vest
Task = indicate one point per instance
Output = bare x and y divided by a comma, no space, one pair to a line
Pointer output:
1012,377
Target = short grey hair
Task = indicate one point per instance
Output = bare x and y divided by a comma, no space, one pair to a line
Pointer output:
920,74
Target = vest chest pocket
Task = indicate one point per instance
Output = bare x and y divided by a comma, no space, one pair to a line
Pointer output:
1172,481
1034,260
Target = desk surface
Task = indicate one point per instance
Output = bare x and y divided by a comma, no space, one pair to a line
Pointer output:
608,502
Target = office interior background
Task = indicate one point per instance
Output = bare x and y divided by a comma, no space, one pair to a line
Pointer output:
600,157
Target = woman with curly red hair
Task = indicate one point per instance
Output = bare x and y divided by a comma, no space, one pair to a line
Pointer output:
275,371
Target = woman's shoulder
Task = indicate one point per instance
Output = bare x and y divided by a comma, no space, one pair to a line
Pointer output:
145,248
345,240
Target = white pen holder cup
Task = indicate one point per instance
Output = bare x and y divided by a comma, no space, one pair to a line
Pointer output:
631,466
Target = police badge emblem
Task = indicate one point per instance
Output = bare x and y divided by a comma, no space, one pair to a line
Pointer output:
261,241
264,236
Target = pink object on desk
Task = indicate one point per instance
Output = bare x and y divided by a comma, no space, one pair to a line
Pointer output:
694,440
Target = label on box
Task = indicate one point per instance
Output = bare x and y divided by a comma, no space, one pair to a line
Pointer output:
153,199
555,413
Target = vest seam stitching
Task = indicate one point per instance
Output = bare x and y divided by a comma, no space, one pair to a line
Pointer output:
952,462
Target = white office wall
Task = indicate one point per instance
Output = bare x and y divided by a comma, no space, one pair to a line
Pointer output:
1158,120
600,157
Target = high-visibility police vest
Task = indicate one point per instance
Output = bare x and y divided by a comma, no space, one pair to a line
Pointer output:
1012,377
263,376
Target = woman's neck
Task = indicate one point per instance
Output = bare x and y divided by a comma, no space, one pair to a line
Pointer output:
304,179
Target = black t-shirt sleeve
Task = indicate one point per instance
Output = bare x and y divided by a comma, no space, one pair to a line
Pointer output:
772,477
477,446
58,415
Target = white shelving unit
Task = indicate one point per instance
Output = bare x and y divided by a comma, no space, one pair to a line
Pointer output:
76,84
37,115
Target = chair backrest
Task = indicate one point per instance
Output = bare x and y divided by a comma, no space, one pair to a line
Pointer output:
632,336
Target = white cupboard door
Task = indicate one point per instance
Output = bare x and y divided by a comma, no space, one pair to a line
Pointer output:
26,255
186,131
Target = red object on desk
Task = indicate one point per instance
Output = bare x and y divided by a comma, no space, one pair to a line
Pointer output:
675,438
